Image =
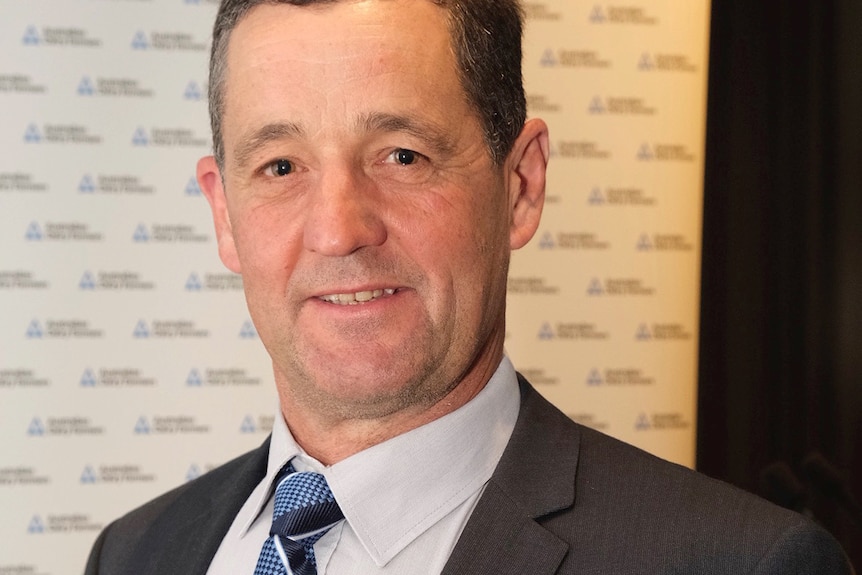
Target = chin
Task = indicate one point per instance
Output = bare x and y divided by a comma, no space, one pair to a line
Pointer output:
374,391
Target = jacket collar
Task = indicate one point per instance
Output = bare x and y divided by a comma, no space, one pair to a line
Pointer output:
535,478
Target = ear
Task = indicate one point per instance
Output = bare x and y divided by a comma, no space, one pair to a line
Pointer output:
210,181
525,168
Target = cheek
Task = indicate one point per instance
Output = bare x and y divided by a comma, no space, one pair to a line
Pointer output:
265,245
466,260
459,237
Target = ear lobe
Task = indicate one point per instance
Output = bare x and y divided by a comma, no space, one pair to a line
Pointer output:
528,162
210,181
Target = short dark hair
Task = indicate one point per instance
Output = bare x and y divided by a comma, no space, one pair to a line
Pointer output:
486,38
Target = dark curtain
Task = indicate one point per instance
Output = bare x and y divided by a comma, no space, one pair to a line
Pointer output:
781,318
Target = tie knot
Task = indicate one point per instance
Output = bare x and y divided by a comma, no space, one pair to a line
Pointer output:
299,490
304,506
304,510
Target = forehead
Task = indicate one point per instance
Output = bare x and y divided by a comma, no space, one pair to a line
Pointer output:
319,70
323,41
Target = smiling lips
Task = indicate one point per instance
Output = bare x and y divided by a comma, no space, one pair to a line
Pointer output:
357,297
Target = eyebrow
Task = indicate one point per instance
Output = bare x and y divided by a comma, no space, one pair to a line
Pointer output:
264,135
439,140
377,122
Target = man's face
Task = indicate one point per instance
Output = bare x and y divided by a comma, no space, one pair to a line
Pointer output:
361,206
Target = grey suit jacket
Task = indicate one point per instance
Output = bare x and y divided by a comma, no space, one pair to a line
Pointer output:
564,499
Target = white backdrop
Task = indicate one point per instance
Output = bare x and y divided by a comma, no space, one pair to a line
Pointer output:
603,306
128,364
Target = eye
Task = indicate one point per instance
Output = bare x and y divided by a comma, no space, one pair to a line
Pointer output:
279,168
404,156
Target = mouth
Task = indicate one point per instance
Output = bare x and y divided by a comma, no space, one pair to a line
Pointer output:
357,298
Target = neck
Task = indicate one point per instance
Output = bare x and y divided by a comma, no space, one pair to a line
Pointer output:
330,440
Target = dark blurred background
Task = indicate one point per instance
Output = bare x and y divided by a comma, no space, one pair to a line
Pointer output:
780,405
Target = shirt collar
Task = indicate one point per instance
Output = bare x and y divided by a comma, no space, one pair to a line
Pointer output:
282,449
393,492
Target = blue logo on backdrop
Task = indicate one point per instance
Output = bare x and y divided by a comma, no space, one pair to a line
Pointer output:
88,475
595,378
193,283
549,59
87,281
644,243
87,185
192,188
142,426
141,330
36,428
31,36
33,233
247,331
247,425
36,525
646,63
85,87
193,473
193,91
546,332
596,197
32,134
642,424
194,379
88,379
595,287
139,42
643,333
547,242
142,234
34,330
645,153
140,138
597,16
596,106
192,1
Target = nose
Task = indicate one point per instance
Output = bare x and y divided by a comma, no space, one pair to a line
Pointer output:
344,214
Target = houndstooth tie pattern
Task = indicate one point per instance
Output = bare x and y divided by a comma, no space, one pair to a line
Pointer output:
304,511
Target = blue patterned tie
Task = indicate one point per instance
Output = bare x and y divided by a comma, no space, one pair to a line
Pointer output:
304,511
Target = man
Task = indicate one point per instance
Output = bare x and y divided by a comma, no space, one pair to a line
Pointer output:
372,172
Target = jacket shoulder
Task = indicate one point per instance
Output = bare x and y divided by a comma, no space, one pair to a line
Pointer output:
663,517
627,511
191,519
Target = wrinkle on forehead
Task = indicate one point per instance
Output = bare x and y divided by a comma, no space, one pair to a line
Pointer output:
341,47
296,73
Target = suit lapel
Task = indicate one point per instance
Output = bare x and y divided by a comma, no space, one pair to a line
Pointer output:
500,539
535,477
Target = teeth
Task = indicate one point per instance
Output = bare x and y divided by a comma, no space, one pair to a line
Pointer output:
356,298
366,295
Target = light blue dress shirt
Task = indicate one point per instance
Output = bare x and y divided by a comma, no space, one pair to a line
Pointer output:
405,501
